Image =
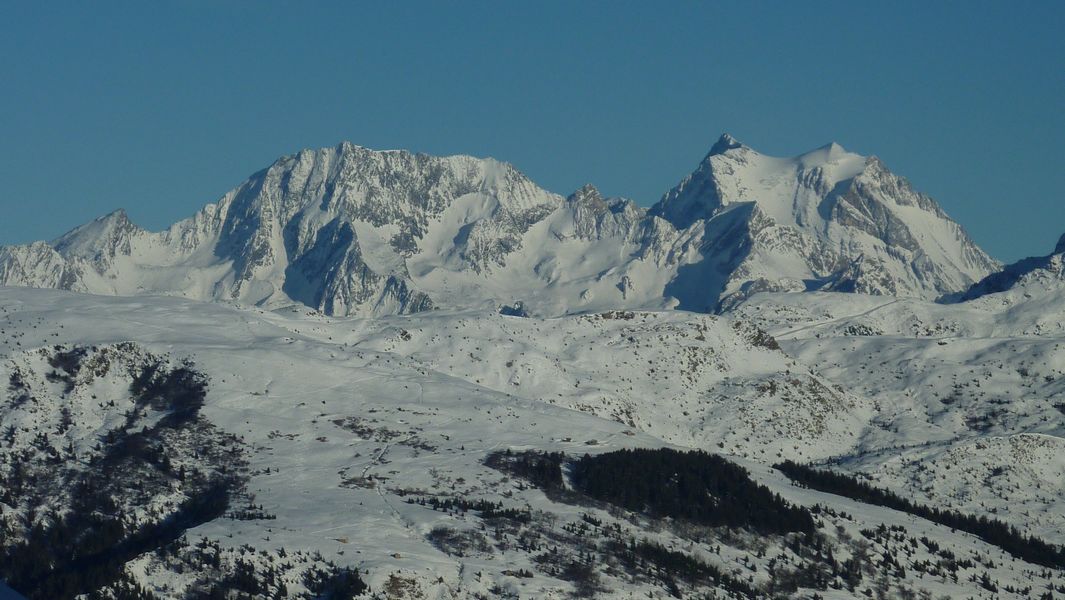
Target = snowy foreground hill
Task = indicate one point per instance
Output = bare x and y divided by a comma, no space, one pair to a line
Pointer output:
291,454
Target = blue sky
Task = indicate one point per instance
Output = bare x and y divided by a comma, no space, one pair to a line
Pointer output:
160,108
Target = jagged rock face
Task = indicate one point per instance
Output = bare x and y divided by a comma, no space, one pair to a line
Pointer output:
298,223
347,230
292,233
828,219
38,265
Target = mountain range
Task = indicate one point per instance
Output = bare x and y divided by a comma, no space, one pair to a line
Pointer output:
352,231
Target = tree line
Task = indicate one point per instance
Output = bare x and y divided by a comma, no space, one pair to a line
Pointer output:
992,531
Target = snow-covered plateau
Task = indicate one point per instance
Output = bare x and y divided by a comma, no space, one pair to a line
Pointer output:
370,374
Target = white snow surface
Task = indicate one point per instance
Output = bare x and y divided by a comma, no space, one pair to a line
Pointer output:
346,418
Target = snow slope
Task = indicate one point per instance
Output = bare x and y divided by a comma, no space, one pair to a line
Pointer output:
346,423
969,397
693,380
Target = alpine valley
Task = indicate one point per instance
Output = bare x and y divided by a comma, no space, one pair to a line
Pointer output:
379,374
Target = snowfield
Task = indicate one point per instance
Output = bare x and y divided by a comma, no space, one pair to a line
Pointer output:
969,396
348,424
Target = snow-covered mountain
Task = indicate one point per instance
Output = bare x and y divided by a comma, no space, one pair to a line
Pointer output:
1034,276
827,219
348,230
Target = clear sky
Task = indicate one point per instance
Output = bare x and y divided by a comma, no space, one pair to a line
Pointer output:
160,107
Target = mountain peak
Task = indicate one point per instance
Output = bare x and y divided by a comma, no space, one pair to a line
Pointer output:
1024,277
831,153
99,239
116,216
724,143
586,192
821,211
112,221
346,146
833,149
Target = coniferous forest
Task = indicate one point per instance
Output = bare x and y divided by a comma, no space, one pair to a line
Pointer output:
694,485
